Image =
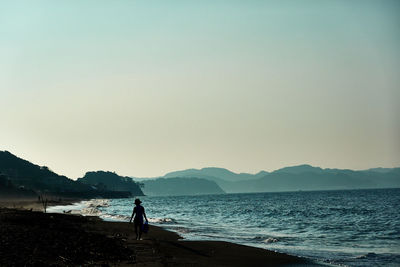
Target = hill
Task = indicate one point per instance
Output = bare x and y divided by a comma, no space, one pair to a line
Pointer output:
293,178
22,178
111,181
39,178
314,178
180,186
215,174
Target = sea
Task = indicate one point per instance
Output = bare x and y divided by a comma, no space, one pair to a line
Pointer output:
338,228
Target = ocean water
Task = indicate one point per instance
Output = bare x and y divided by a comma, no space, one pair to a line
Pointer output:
344,228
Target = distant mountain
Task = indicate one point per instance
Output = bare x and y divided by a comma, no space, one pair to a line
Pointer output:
215,174
111,181
21,176
299,169
314,178
301,177
180,186
381,170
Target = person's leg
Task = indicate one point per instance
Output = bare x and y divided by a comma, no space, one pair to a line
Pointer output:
136,225
140,229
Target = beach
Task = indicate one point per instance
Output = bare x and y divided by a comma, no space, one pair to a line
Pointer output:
33,238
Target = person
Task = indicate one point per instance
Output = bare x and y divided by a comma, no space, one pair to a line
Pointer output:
139,213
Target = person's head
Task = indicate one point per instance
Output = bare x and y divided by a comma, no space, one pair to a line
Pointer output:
137,201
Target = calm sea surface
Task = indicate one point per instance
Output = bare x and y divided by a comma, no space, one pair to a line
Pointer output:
347,228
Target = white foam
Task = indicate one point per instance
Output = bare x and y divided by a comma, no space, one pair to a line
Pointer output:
115,218
86,208
162,220
270,240
72,208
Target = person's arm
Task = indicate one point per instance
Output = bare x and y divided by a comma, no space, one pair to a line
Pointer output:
144,214
133,212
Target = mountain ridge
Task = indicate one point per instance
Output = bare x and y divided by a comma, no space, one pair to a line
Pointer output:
106,180
214,172
298,177
23,179
26,175
180,186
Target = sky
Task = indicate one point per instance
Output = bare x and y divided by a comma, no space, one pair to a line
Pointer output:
143,88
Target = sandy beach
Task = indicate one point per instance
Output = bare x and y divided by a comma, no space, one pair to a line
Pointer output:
33,238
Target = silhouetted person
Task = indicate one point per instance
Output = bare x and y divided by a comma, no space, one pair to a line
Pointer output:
138,212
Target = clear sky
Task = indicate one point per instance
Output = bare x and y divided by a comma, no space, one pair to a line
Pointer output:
147,87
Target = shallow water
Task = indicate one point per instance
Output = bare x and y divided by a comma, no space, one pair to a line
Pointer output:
347,228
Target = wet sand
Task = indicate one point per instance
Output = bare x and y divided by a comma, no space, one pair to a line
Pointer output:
30,238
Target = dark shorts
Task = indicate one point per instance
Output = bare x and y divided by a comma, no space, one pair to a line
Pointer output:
138,223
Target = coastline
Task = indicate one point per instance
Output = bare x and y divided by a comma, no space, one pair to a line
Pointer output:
89,240
36,205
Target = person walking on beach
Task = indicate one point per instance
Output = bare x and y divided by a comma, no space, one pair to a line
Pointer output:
139,213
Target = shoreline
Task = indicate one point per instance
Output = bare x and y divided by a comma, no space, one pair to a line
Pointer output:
159,247
71,208
35,204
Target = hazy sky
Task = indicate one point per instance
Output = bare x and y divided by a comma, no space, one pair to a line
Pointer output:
146,87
